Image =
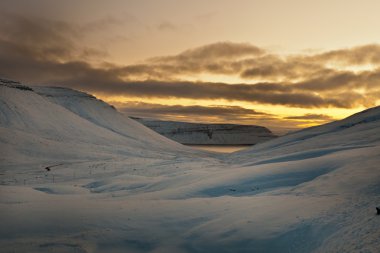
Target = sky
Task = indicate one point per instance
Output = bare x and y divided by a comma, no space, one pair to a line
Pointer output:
282,64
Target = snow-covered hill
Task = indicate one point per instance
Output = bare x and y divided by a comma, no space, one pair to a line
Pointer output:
103,115
77,176
209,134
361,129
52,124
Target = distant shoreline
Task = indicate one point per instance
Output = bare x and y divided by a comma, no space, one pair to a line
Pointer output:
219,148
219,145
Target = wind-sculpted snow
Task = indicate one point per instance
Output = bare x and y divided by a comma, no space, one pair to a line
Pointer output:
77,176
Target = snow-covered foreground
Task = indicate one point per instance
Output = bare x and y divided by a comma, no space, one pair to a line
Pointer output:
77,176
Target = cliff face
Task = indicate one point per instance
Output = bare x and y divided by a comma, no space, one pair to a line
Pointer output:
209,134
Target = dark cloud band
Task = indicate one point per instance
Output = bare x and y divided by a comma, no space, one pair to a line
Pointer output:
48,52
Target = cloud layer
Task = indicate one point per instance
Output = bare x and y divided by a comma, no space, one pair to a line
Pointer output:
50,52
220,114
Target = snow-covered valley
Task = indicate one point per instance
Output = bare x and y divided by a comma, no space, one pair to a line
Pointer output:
78,176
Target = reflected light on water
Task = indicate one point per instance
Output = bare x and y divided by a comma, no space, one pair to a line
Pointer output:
220,148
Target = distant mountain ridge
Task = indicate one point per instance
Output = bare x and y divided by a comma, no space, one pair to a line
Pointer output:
209,134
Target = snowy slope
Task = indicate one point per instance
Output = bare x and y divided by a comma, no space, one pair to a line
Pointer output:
109,189
361,129
102,114
209,134
41,124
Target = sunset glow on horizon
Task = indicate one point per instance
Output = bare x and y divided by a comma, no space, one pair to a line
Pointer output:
281,64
